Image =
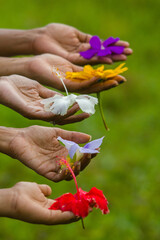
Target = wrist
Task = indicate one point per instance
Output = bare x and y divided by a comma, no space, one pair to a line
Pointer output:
17,42
3,90
11,66
7,202
7,136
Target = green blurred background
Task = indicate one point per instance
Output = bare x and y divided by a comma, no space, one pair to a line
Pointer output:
127,169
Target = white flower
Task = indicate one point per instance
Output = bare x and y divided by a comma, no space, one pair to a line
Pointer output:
59,105
87,103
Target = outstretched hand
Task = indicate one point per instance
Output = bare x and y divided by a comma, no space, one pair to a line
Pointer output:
41,69
25,96
30,204
38,148
67,42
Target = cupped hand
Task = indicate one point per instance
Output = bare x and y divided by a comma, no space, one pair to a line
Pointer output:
25,96
67,42
38,148
30,204
41,69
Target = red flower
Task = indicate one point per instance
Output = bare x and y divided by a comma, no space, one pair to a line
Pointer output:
82,202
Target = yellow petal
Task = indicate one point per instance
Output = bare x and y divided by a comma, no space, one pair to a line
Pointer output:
101,68
89,72
88,69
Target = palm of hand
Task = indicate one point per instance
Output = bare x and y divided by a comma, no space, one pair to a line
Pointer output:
42,71
24,96
38,148
33,197
62,40
68,42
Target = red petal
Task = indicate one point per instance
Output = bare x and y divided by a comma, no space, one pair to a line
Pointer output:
69,202
97,198
82,202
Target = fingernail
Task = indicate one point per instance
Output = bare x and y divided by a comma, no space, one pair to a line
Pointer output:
90,137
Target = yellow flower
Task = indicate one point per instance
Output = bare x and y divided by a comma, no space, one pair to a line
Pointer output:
89,72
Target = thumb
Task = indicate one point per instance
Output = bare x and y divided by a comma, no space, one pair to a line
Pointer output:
77,137
45,189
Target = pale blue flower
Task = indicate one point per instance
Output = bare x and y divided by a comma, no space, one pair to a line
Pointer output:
73,147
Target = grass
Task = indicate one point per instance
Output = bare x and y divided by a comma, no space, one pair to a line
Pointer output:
127,169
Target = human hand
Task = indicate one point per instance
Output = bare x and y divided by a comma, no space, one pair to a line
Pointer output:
67,42
41,69
38,148
28,202
25,96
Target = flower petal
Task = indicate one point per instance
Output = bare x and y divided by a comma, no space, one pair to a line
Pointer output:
110,41
88,150
94,144
89,53
95,42
116,49
104,52
96,197
71,146
81,202
87,103
70,202
47,103
62,103
73,150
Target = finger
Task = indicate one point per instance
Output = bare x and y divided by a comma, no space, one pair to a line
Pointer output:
83,37
58,217
75,108
120,57
58,119
74,119
56,177
122,43
45,189
120,79
76,68
85,160
77,137
102,86
127,51
77,168
45,116
49,116
84,84
76,58
83,47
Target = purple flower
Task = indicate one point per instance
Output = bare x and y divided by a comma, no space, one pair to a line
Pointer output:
102,49
73,147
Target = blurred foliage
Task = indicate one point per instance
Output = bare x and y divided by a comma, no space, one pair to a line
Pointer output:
127,169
